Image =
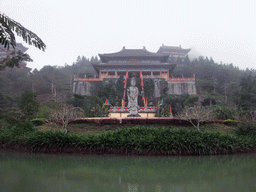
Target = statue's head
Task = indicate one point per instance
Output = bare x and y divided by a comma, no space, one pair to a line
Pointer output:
133,82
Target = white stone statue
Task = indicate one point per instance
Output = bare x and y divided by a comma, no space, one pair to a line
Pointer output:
132,93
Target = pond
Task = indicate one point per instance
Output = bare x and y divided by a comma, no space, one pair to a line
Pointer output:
55,172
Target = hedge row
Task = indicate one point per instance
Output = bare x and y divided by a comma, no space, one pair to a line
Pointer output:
135,140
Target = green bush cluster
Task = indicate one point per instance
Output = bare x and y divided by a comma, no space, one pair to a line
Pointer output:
45,112
15,133
28,104
246,130
38,121
224,112
163,140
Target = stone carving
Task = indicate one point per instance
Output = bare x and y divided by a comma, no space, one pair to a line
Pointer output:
132,93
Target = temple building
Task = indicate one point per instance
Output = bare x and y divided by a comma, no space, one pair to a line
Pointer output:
142,64
135,62
174,52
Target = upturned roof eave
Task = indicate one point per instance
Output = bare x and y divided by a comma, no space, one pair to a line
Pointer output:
132,53
106,58
167,65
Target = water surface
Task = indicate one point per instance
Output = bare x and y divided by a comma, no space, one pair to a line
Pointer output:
47,172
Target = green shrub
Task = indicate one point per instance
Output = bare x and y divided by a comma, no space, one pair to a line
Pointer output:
231,122
14,133
160,140
246,130
45,112
223,112
38,121
26,127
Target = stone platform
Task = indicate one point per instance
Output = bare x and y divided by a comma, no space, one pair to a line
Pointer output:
117,112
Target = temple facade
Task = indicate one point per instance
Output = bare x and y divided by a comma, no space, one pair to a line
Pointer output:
141,64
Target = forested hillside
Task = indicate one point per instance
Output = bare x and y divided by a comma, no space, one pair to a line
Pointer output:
221,84
214,79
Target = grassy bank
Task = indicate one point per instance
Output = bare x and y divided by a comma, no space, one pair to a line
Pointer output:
92,128
141,140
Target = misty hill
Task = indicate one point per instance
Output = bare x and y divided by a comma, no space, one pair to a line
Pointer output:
221,81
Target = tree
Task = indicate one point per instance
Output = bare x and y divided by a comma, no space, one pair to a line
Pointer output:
28,104
64,113
149,87
7,37
247,96
179,102
196,115
112,90
13,59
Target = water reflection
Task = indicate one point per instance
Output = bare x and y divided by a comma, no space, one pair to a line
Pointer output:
41,172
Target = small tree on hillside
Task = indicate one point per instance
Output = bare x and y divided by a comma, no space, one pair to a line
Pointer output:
28,104
64,113
196,115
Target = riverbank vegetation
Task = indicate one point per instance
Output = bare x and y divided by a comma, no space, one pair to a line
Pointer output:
129,140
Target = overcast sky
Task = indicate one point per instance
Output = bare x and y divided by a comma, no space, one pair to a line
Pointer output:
222,29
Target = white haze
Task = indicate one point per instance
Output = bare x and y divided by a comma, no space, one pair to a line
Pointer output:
221,29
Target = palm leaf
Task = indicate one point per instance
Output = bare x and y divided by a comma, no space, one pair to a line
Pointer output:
8,25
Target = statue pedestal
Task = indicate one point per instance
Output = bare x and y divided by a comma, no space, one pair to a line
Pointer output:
131,115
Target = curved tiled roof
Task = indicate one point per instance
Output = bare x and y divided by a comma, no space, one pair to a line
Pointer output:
168,49
133,53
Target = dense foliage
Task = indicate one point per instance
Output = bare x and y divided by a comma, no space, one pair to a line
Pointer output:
113,90
139,140
220,81
28,104
93,106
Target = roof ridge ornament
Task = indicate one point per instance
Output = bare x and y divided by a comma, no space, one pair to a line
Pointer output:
123,47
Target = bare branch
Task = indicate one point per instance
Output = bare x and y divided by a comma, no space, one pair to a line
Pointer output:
64,113
196,115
